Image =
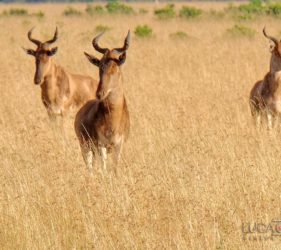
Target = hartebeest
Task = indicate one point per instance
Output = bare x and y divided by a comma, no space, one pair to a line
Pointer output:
103,125
265,96
60,91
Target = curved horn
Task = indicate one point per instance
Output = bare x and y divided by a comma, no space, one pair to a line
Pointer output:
29,35
126,43
270,37
54,38
96,46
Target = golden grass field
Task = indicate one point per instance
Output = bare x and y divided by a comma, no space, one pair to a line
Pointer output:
194,168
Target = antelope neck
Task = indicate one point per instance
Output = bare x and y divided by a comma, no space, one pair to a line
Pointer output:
275,64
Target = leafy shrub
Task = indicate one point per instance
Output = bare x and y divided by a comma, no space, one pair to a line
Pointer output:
70,11
251,8
16,12
102,28
95,10
143,31
243,17
167,12
179,35
273,9
143,11
247,11
241,31
115,7
39,14
256,2
190,12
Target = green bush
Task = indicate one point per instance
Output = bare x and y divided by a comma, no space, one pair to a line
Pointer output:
243,17
190,12
247,11
273,9
143,31
251,9
167,12
39,14
70,11
102,28
95,10
180,35
241,31
256,2
115,7
16,12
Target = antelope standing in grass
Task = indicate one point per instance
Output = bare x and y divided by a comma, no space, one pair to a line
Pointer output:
265,96
60,91
102,125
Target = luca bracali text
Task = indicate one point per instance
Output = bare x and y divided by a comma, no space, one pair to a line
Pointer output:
261,231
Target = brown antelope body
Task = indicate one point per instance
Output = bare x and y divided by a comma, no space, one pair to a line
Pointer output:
60,91
103,124
265,96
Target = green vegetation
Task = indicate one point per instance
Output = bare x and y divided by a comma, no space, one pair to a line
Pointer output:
22,12
190,12
179,35
254,9
143,31
15,12
240,12
102,28
115,7
95,10
70,11
241,31
166,13
274,9
39,14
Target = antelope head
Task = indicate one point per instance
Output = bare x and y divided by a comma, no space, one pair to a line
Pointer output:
42,55
276,47
109,66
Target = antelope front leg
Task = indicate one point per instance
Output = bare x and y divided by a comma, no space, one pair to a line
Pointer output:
52,117
103,156
88,157
269,120
56,119
258,120
117,154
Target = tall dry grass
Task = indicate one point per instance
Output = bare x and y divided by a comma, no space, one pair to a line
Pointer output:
194,168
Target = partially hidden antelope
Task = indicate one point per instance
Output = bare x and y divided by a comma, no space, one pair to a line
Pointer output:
102,125
265,96
61,91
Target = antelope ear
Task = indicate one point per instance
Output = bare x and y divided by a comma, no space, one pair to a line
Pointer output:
52,51
271,48
93,59
122,58
29,51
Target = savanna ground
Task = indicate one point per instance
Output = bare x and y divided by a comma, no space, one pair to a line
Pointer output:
194,169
